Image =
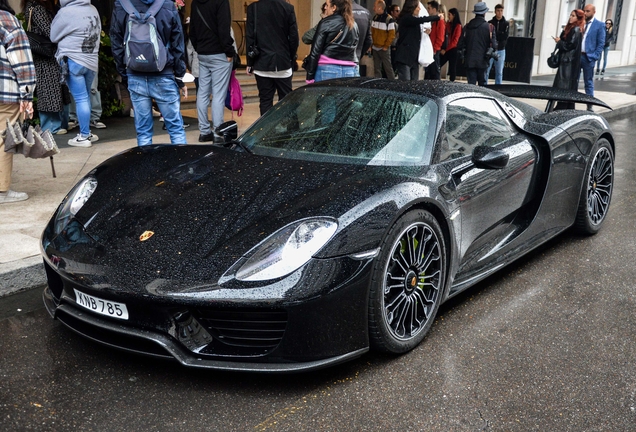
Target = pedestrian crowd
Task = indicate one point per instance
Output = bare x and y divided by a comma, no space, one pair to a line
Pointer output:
154,45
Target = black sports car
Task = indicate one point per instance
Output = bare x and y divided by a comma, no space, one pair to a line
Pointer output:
338,222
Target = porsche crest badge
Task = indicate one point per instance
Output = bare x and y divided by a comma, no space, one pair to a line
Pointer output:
146,235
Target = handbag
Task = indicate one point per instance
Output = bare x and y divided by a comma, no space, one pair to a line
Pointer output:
253,51
40,45
555,59
234,97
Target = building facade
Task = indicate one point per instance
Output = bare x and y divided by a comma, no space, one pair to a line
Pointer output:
537,19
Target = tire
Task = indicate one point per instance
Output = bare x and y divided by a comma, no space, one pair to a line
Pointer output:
596,192
408,282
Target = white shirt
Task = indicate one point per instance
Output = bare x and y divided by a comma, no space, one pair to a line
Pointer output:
588,24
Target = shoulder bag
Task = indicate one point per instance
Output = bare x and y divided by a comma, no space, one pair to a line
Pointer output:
40,45
554,59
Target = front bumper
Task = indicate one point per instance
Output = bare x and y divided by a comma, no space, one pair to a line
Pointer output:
282,334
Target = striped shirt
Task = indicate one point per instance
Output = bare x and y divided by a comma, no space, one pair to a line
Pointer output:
17,72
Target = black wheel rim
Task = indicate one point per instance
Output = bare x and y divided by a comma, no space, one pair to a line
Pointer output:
412,282
599,187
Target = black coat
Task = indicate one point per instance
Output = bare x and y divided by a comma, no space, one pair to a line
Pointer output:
570,63
272,25
211,34
410,35
477,39
333,39
501,31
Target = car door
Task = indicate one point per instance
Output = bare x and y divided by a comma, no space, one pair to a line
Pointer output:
491,201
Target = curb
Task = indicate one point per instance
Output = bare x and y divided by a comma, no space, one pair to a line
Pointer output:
21,275
619,112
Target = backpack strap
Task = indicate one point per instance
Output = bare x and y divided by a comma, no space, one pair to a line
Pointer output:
129,8
152,10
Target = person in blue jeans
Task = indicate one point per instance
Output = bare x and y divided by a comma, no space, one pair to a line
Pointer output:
592,47
609,39
163,86
76,29
501,26
333,49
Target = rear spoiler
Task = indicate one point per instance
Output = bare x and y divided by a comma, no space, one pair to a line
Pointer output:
550,94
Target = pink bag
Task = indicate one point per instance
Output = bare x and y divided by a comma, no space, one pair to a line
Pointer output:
234,98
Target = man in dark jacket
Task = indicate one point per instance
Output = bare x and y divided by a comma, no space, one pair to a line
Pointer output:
501,26
271,26
210,22
162,86
477,40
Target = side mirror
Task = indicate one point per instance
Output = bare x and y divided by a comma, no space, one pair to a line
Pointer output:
489,158
229,130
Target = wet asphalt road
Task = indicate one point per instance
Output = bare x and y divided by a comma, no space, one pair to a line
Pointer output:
546,344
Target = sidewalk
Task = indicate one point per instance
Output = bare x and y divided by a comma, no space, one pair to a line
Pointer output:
22,223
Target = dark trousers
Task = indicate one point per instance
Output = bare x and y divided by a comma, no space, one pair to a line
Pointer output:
476,76
451,58
408,73
267,87
432,71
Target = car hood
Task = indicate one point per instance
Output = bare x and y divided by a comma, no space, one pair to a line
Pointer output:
204,207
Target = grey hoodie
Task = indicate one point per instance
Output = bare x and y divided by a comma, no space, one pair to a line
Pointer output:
76,29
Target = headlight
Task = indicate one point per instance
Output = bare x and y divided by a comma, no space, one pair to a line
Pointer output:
74,202
286,250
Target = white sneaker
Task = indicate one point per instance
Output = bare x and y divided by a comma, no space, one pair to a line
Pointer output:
12,196
161,119
80,141
72,124
61,132
97,124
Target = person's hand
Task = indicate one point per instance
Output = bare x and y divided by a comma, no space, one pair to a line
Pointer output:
248,70
443,51
184,91
556,39
427,31
441,16
230,59
27,108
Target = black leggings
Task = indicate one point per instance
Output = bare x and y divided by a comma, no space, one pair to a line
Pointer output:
451,58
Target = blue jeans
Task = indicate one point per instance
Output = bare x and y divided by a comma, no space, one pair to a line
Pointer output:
79,82
165,91
604,55
214,78
588,74
96,103
326,72
499,65
50,120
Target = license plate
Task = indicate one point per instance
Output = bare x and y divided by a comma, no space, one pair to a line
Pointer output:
101,306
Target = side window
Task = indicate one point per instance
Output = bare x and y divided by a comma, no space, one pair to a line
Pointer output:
473,122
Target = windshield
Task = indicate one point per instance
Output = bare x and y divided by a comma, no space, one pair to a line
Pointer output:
346,125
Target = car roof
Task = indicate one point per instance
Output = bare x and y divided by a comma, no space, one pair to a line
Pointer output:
432,89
